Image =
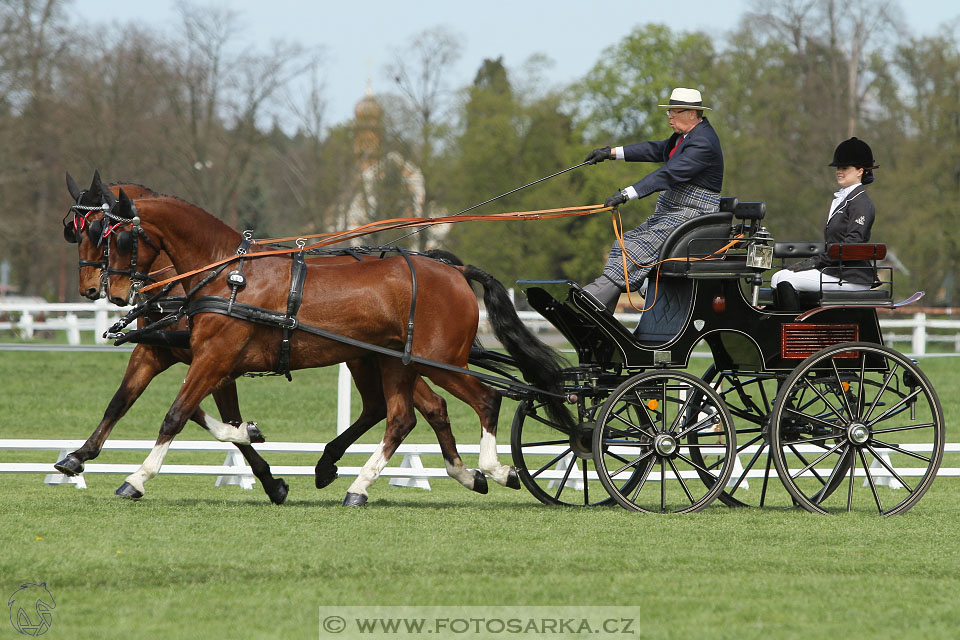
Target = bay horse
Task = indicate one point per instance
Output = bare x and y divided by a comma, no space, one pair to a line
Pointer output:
367,302
85,228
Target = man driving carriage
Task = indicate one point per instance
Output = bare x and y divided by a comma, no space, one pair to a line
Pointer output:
689,183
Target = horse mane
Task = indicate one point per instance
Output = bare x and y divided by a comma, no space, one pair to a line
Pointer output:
147,189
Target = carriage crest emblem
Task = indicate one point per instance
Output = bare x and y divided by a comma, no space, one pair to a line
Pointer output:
698,324
31,609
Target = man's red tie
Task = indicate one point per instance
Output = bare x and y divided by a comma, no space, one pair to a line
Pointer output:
675,147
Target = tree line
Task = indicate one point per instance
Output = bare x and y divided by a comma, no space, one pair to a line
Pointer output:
206,115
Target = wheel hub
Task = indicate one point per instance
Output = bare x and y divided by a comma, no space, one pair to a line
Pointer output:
665,444
858,433
581,441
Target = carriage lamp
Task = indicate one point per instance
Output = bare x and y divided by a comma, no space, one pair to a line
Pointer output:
760,253
759,258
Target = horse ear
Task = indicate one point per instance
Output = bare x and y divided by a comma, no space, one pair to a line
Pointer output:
126,204
95,184
108,196
73,188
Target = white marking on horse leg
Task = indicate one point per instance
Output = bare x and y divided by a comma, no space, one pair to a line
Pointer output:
489,463
150,467
369,472
226,432
460,473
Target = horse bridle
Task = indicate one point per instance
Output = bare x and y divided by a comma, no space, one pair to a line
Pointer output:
128,242
99,231
73,233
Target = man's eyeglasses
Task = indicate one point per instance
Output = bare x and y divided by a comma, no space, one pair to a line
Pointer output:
676,112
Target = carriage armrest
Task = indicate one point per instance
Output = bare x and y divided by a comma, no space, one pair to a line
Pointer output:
798,249
857,251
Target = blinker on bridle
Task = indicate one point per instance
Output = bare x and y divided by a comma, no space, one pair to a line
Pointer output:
127,242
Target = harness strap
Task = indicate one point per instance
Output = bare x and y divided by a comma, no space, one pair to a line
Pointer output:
298,273
243,311
408,346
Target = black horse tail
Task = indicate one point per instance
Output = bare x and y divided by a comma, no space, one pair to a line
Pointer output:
540,365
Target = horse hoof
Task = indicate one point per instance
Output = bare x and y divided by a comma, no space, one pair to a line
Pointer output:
254,433
324,474
513,480
479,482
127,491
354,500
69,466
279,492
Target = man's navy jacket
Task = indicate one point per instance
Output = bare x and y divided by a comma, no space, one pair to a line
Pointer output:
699,160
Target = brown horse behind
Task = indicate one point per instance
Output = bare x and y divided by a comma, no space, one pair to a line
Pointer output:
84,227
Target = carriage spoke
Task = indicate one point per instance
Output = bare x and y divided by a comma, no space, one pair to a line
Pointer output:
842,393
900,449
804,461
883,387
552,462
635,462
822,494
853,472
889,413
747,468
766,480
682,483
823,399
566,476
586,485
873,487
643,480
544,443
696,466
890,469
635,427
925,425
822,456
663,486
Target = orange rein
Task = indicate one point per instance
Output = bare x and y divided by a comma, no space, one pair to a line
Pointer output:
386,225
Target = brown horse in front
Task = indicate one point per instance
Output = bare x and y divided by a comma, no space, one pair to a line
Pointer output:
84,227
368,301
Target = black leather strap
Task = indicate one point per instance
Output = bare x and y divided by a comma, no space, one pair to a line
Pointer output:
298,273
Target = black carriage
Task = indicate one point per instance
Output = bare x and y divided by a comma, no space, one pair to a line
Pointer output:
803,408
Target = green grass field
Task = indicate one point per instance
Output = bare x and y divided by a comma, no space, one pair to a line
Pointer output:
194,560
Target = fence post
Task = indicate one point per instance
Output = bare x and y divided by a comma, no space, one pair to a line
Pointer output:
73,329
343,398
100,320
26,324
919,342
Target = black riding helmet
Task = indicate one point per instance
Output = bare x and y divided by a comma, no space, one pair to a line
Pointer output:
855,153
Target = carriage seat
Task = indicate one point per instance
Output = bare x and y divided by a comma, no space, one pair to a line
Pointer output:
696,237
878,295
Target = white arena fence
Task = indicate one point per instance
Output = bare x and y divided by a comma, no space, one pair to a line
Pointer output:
410,473
26,319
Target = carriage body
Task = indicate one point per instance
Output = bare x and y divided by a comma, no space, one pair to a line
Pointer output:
783,395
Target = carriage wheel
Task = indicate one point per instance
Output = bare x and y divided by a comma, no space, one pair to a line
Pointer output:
860,415
645,437
554,463
749,397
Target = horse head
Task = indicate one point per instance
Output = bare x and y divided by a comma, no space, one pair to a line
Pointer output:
83,226
129,250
